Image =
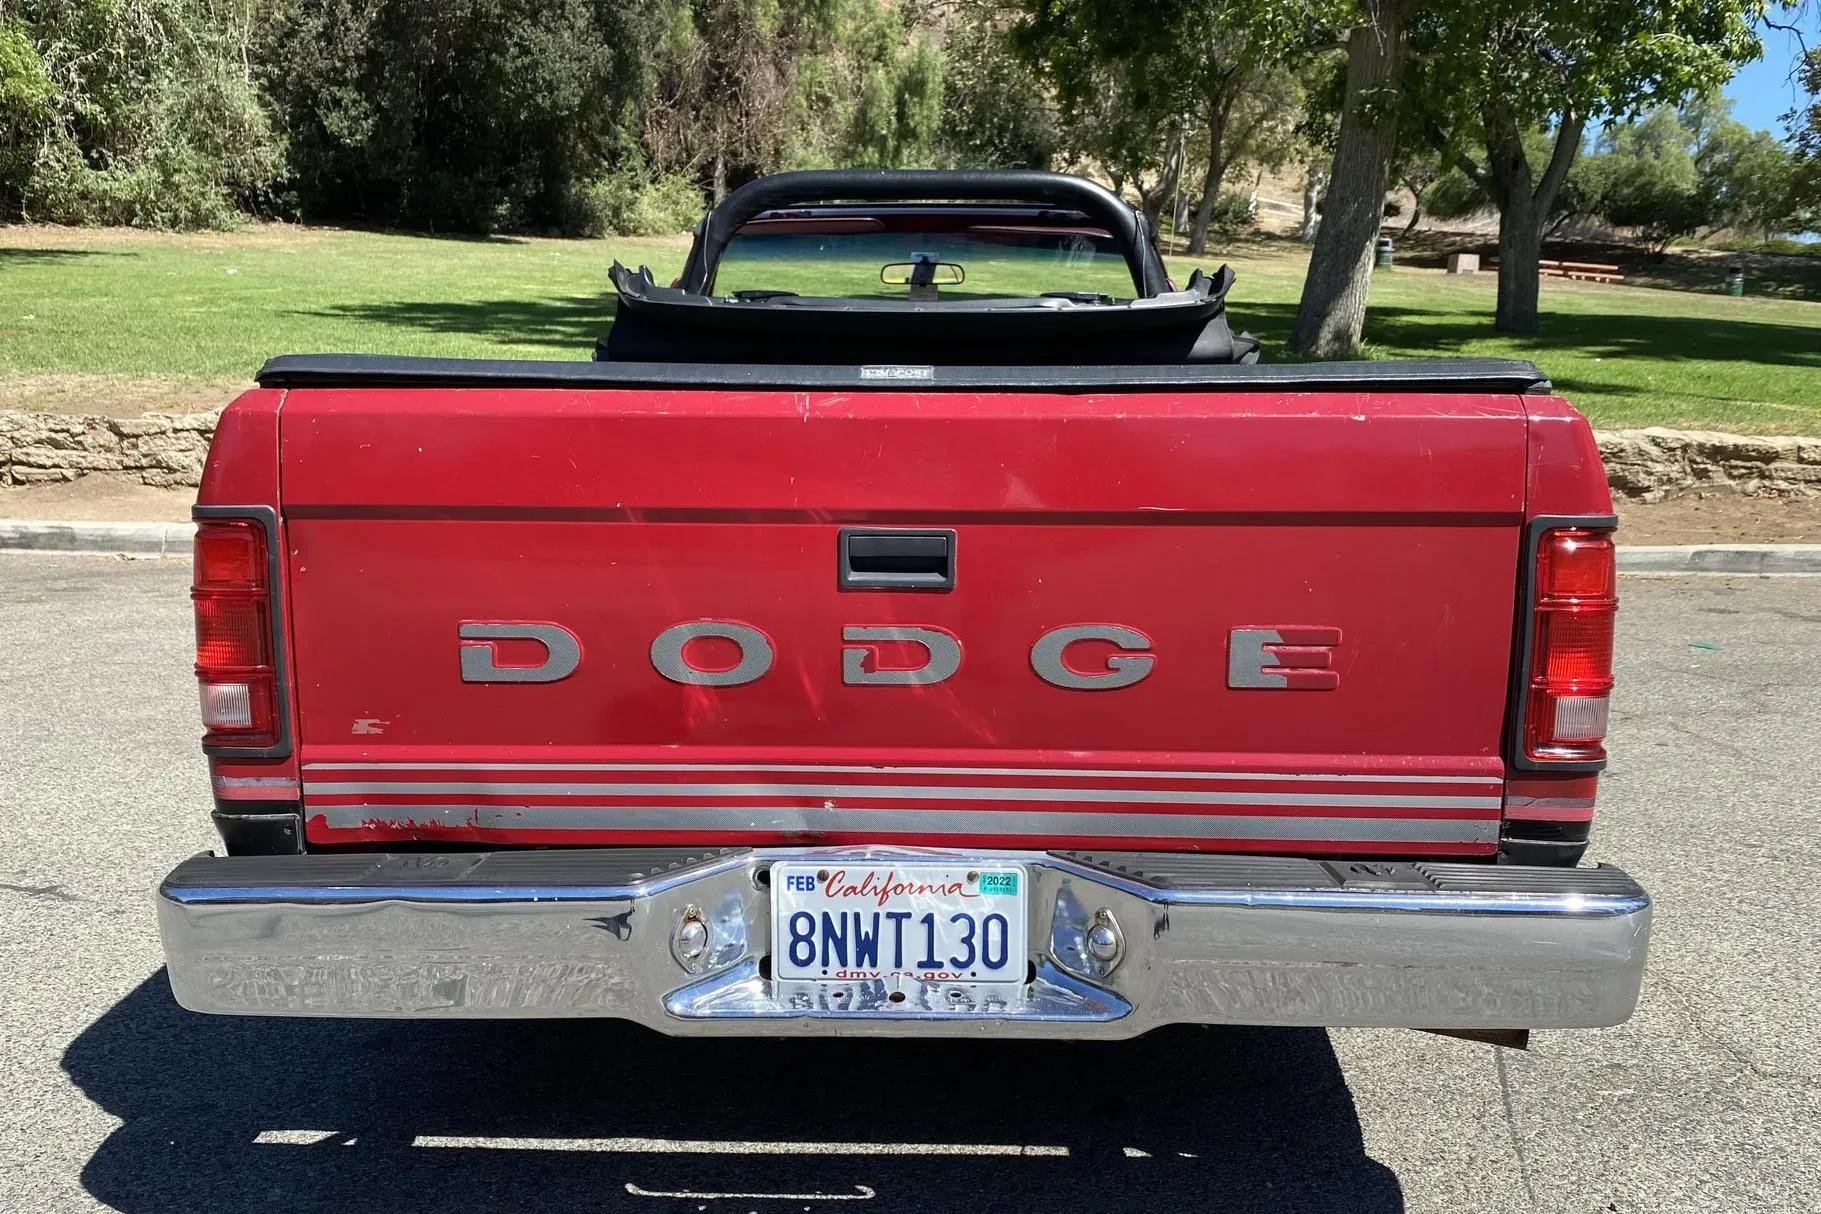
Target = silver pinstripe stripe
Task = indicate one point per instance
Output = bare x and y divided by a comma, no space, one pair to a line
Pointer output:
917,792
864,769
1047,823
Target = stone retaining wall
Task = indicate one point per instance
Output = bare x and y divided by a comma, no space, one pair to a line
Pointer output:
1649,465
164,449
167,449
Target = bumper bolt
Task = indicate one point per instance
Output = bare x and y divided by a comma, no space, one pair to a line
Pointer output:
691,941
1103,942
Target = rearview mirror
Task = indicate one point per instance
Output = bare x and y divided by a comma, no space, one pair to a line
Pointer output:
905,273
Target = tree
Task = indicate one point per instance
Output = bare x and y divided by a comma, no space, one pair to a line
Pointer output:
1680,169
727,106
897,114
752,86
1453,195
1650,181
996,113
132,112
1805,142
1416,168
28,107
1749,182
1137,85
1120,99
1673,171
1332,312
1493,70
1254,124
472,115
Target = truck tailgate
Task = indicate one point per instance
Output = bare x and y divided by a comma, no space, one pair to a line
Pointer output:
1375,535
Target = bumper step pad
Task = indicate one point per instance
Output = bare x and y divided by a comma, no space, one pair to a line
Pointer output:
1188,871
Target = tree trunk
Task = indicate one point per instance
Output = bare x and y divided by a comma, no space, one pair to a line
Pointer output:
1520,249
1217,170
1523,210
1333,308
1153,201
1312,186
1416,212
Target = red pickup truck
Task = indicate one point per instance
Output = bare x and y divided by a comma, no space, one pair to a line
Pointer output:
922,617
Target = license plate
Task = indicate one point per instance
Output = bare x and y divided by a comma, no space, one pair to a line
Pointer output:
841,922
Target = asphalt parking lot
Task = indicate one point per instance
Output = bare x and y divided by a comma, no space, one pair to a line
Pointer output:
1709,1100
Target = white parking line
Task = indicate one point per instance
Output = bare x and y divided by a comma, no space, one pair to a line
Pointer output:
682,1146
293,1138
863,1194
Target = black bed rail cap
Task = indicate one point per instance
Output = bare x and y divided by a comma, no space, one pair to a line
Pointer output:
1465,375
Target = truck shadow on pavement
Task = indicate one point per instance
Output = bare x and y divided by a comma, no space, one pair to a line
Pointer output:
225,1114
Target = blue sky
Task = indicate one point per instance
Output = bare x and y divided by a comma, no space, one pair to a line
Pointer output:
1762,92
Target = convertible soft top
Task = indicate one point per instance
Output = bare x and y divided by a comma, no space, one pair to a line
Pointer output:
688,323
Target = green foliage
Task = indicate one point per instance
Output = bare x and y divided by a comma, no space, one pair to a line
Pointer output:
634,202
1136,85
135,112
1669,173
752,86
1535,60
1650,181
1232,215
28,105
1779,246
1805,144
1748,179
467,115
1676,171
898,110
996,112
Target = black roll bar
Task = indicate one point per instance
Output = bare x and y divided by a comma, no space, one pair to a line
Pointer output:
778,190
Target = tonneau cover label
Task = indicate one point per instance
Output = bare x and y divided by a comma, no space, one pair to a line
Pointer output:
896,372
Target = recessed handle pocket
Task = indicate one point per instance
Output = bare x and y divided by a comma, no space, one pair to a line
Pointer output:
897,559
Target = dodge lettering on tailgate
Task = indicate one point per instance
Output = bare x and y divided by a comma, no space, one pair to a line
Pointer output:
1285,657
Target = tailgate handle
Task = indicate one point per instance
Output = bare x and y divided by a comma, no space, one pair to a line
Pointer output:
897,559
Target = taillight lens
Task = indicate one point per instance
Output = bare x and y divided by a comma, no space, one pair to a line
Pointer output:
234,662
1570,675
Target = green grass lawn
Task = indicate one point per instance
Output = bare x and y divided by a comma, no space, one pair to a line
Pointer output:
110,320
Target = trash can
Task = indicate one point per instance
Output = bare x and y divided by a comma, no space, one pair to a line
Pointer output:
1735,280
1385,250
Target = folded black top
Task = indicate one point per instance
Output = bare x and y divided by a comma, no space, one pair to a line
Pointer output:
667,324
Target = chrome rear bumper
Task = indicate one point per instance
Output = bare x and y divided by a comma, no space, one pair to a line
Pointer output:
1203,940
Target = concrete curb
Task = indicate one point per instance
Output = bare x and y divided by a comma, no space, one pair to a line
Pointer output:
96,539
1721,558
173,539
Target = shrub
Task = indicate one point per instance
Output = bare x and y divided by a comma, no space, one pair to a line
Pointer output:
475,116
1232,215
142,114
634,203
1780,245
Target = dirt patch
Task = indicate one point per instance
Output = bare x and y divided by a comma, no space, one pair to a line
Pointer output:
98,499
56,236
1722,519
113,395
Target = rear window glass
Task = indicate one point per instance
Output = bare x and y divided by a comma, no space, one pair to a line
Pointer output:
849,259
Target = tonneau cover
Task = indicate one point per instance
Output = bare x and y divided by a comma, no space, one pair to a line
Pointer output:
1489,375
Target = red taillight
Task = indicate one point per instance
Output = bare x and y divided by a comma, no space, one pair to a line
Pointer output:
234,660
1570,675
